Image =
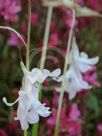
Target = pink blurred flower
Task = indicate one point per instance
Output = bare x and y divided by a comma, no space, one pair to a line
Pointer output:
13,40
74,112
99,128
34,18
74,128
9,9
53,26
68,22
3,133
53,40
13,129
69,121
24,28
97,5
55,100
91,77
80,2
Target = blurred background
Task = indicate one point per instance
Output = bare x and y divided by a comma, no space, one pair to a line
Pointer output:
81,116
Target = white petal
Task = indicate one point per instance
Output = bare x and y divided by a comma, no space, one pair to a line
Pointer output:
43,111
56,73
32,117
27,86
58,79
85,64
85,85
25,71
58,89
75,48
46,72
91,61
83,55
34,75
35,92
72,94
24,124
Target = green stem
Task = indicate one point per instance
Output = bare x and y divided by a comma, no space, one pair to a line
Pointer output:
45,43
43,58
28,35
25,132
28,43
46,37
64,72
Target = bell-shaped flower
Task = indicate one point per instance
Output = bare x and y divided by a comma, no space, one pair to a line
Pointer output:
73,82
29,107
80,60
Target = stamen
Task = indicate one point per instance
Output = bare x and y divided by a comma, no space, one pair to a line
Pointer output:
9,104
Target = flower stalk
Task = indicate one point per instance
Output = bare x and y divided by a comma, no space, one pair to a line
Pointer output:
43,58
64,72
28,35
45,43
28,43
25,133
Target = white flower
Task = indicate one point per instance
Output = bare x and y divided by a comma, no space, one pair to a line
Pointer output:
79,60
78,64
73,82
29,107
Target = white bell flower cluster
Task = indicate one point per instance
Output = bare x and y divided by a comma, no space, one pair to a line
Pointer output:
29,106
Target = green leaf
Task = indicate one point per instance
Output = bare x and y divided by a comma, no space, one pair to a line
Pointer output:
92,104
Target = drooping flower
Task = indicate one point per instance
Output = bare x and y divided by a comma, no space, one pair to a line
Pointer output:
29,107
79,60
78,63
73,82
